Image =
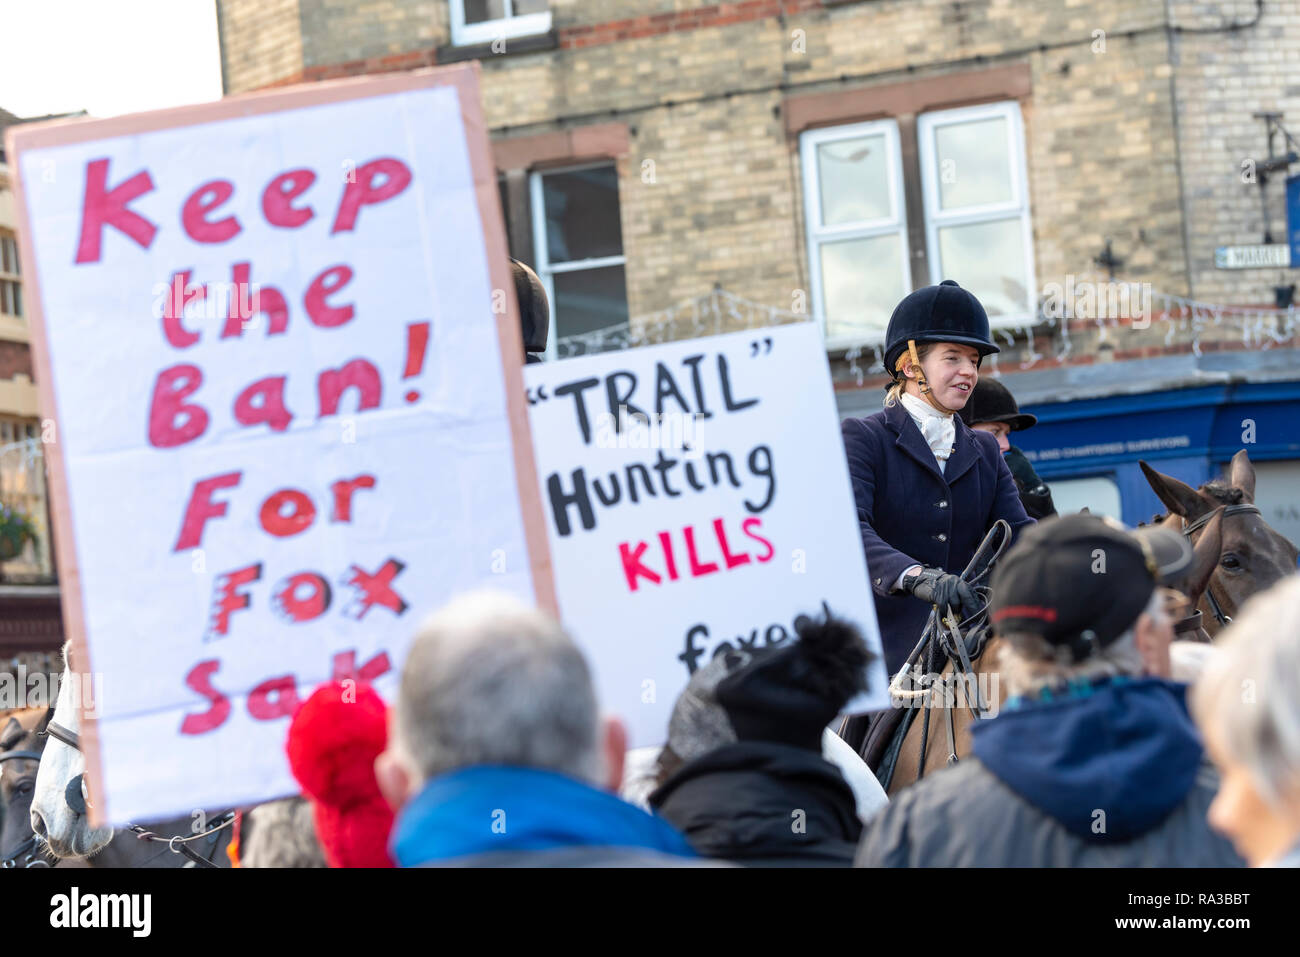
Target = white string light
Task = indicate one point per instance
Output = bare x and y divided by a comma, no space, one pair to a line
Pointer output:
720,311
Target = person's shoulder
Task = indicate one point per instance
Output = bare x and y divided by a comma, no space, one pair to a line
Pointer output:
864,429
965,816
954,790
941,803
1185,838
875,420
954,783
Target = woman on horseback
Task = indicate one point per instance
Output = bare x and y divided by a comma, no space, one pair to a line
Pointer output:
927,487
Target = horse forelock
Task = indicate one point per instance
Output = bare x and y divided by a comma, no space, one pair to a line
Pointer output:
1223,493
1219,493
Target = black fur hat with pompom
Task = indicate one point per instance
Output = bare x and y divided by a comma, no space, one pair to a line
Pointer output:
789,694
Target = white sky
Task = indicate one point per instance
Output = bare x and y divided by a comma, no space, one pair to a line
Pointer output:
107,56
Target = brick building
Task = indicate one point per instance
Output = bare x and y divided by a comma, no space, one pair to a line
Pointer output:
29,603
1062,158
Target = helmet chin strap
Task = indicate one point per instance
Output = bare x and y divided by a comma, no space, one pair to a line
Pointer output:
926,392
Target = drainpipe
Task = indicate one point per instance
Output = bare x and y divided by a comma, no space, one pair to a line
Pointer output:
1178,149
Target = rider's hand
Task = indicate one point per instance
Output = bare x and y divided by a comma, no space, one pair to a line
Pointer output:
937,587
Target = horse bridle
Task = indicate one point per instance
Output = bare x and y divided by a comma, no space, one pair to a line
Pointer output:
944,636
1189,625
77,801
27,847
1200,523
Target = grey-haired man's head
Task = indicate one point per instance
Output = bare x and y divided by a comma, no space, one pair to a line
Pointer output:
491,681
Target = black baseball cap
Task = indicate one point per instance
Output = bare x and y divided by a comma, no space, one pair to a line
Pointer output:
1082,580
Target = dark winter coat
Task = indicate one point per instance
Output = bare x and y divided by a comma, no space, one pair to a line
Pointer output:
763,804
911,514
1114,778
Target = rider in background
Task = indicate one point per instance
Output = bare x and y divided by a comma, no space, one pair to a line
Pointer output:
992,408
927,487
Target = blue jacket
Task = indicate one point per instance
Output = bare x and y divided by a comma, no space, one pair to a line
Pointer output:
911,514
490,813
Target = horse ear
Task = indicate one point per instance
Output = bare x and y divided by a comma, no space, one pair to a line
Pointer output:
1205,558
1085,511
1242,475
1177,496
12,734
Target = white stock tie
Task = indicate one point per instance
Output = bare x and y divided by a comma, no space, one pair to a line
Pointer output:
936,428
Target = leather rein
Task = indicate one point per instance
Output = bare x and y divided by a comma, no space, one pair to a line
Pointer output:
961,642
176,844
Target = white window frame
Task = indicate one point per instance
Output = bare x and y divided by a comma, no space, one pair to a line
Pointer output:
511,25
1018,206
23,483
7,276
546,270
817,233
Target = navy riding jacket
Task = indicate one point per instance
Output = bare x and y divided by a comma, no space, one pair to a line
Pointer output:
912,514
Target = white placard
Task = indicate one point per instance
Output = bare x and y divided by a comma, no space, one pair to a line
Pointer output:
715,521
273,478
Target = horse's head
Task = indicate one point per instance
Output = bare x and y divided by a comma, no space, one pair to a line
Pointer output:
57,816
1252,556
20,737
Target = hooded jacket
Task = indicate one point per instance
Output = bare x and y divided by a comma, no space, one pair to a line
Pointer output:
511,816
762,803
1110,775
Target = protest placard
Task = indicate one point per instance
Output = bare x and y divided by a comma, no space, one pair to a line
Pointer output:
697,498
278,339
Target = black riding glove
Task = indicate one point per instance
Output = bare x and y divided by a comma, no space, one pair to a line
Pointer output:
934,586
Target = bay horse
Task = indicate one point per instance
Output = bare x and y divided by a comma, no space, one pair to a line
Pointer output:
58,808
1253,555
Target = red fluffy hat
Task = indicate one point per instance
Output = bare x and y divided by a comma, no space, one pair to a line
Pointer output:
334,739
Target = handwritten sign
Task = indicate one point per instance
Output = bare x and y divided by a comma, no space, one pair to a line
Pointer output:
275,334
697,498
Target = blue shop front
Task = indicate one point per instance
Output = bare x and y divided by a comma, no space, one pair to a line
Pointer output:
1088,450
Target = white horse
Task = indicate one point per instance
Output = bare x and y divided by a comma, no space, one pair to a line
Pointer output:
58,819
